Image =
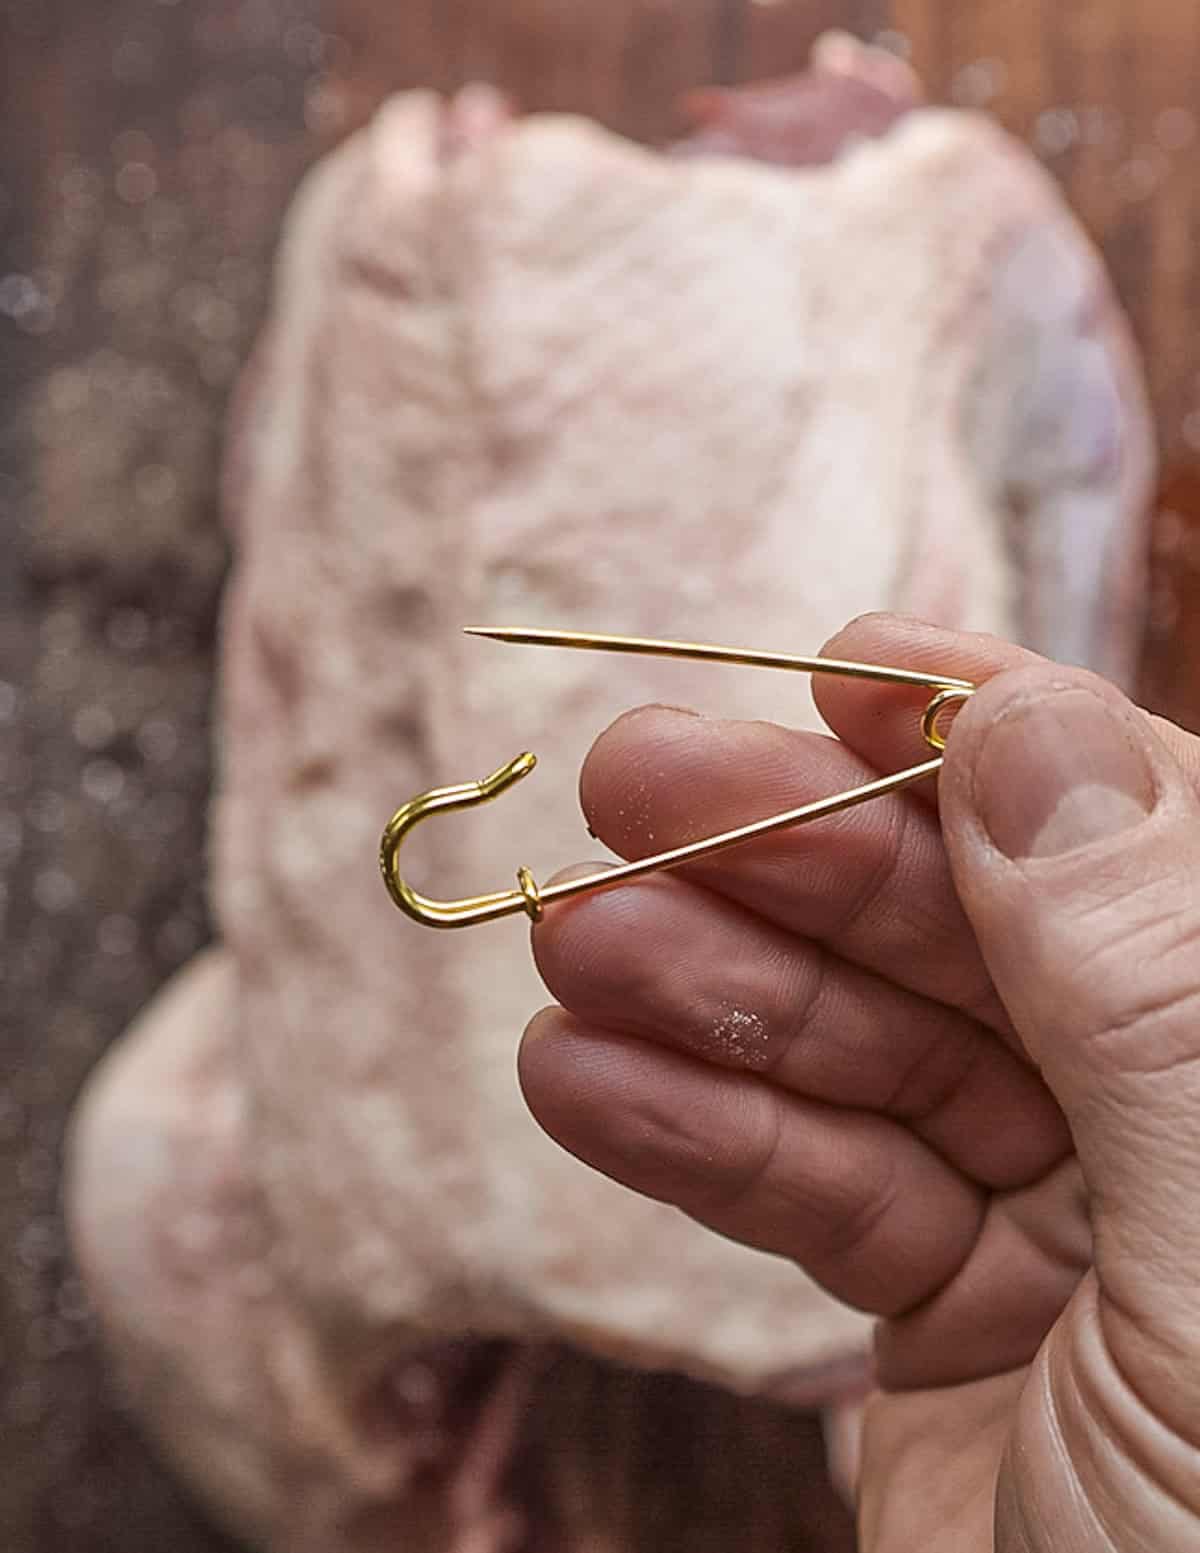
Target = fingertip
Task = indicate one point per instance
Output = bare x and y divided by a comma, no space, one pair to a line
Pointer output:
543,1026
640,772
882,721
563,1065
876,627
644,721
584,1088
625,747
593,952
538,1054
575,871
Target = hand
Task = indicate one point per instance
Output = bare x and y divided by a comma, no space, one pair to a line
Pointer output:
947,1060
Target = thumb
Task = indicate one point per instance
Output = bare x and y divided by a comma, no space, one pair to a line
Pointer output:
1074,836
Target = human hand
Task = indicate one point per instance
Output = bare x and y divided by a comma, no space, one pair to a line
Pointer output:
946,1059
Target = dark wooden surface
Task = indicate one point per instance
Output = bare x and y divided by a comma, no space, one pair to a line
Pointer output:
147,149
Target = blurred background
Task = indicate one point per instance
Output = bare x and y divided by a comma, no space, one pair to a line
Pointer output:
148,150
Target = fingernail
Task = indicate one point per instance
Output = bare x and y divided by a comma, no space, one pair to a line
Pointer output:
1059,773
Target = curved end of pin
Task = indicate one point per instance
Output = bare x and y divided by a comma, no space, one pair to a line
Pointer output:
512,772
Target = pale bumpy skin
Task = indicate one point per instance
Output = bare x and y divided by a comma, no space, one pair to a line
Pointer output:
527,372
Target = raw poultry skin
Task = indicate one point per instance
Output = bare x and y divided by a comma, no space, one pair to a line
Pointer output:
524,371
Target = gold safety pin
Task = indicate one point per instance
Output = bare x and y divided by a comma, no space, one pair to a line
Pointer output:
529,897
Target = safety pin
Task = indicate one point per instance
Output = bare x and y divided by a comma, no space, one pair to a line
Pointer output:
531,898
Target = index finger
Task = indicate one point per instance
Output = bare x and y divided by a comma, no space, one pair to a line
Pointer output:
882,722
